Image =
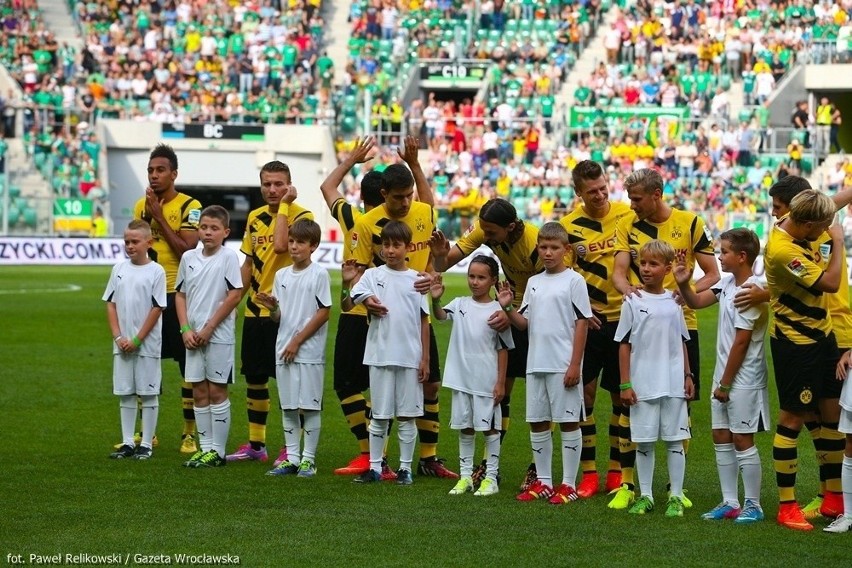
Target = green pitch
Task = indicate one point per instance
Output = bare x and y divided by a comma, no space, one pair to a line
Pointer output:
60,493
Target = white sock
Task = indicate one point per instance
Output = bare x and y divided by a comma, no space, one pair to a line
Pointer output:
221,426
846,485
204,425
751,471
466,449
542,447
406,431
150,412
313,423
645,454
572,443
677,467
378,429
292,435
726,465
492,462
127,413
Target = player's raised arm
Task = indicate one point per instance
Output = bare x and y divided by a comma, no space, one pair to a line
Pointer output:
410,156
179,241
707,262
443,256
692,298
358,155
281,235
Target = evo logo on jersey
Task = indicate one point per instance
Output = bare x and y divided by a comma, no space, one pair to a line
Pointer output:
260,240
599,246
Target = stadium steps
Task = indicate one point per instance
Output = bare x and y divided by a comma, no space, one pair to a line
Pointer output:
33,187
336,37
57,18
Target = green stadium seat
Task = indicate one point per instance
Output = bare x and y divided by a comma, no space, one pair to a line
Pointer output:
30,217
14,215
14,191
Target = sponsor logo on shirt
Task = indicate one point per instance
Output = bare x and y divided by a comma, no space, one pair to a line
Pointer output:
796,267
194,216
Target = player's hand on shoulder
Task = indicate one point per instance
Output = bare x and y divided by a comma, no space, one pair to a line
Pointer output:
424,282
633,291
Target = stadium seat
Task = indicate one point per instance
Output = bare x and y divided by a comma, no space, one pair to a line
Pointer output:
30,217
14,215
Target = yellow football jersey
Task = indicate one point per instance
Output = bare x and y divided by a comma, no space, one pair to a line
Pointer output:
686,233
838,303
591,253
366,246
258,244
346,215
182,214
519,259
792,268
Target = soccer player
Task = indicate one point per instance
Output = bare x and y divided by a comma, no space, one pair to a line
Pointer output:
351,376
843,523
300,302
258,271
399,205
208,290
397,350
555,310
475,370
173,217
653,219
591,234
135,297
513,242
740,405
804,348
827,440
655,377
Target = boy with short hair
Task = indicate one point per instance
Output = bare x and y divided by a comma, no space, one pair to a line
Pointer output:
397,350
300,302
655,377
740,405
208,290
135,297
556,311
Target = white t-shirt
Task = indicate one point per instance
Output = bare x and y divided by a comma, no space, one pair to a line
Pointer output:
206,280
300,293
395,338
135,289
653,324
471,365
752,374
553,303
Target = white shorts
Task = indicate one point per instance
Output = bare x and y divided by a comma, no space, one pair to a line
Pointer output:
663,418
475,411
214,362
395,392
548,400
746,412
132,374
845,426
300,385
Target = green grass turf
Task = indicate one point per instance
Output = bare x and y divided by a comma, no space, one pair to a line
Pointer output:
60,493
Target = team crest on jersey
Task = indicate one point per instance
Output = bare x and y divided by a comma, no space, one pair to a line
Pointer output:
421,226
194,216
806,396
581,250
676,233
796,267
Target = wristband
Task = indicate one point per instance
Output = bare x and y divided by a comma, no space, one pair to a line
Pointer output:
725,388
186,328
625,386
689,376
136,341
508,308
284,209
344,292
116,338
273,310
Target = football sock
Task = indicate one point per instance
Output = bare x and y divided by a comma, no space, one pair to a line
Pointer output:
589,436
846,481
428,427
627,449
786,460
726,464
127,413
688,425
814,430
614,452
645,464
292,435
150,411
542,447
378,428
677,467
833,443
466,447
221,414
492,462
505,410
313,424
205,427
188,408
257,404
571,456
751,471
406,431
356,411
